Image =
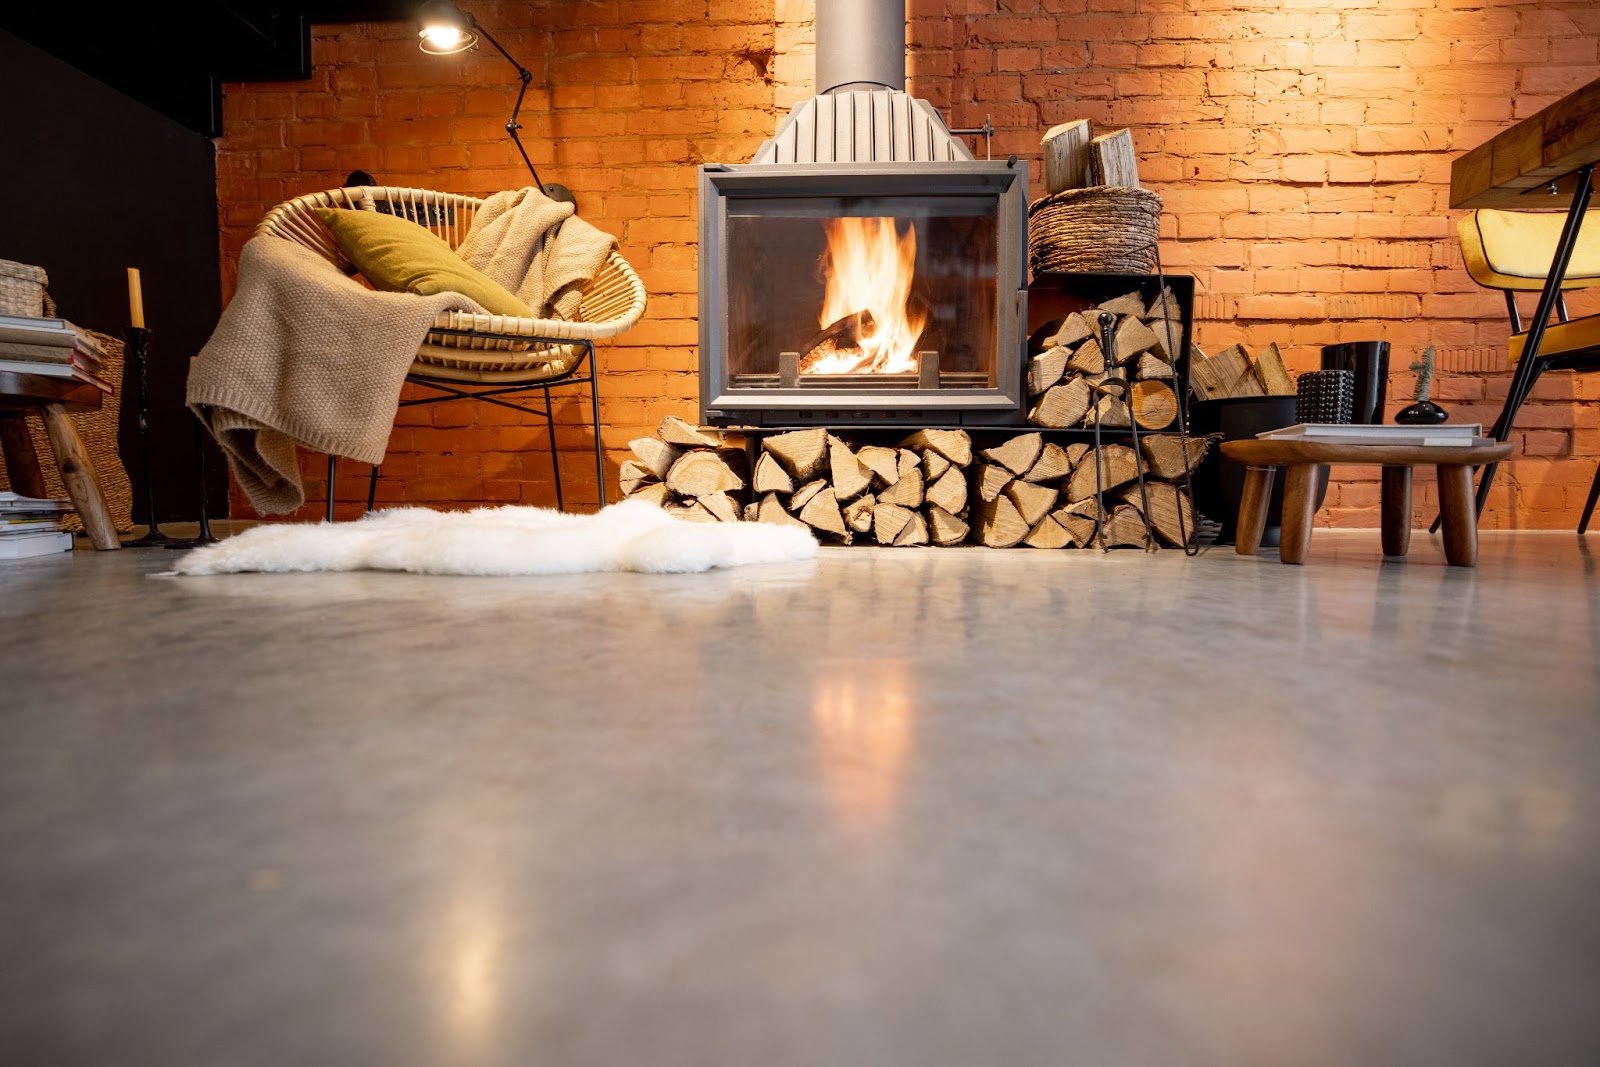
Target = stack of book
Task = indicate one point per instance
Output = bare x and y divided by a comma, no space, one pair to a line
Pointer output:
54,348
1451,436
30,526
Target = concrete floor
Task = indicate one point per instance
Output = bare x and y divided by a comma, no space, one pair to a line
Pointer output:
891,807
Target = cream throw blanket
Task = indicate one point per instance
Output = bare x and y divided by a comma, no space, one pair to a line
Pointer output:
306,356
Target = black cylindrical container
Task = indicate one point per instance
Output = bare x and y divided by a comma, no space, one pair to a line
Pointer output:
1325,396
1369,362
1219,482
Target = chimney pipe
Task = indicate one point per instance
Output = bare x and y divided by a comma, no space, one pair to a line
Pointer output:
861,44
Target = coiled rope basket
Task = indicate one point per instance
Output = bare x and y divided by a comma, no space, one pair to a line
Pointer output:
1103,228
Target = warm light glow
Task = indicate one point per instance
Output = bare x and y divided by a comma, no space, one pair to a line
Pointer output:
862,723
442,37
869,266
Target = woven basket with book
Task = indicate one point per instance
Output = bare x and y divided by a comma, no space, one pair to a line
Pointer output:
1103,228
22,288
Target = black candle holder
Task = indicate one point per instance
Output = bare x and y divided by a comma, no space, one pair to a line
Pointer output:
136,364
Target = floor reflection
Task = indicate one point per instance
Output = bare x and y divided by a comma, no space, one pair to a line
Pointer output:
861,716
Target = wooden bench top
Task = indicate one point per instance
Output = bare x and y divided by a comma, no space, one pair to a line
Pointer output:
28,391
1279,452
1514,168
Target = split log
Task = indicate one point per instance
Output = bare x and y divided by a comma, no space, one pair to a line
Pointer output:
1133,338
944,527
1197,358
934,465
1048,533
1117,465
992,481
1110,412
1165,457
1126,304
1046,369
771,510
691,513
1171,512
906,492
1112,162
888,520
701,474
999,523
1151,366
1074,328
1163,305
1062,405
1087,358
770,477
738,461
1079,520
850,477
1076,452
914,532
803,495
803,453
1275,379
909,461
1154,404
1169,337
674,431
656,455
656,493
884,462
722,506
752,511
858,513
1125,528
1226,374
949,491
953,445
1033,501
1018,454
1053,463
1066,156
633,476
822,511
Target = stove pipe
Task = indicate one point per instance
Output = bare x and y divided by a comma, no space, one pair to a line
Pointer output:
861,44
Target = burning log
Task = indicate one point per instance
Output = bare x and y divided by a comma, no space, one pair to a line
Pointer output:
843,333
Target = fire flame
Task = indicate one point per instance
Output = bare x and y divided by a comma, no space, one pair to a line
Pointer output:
869,266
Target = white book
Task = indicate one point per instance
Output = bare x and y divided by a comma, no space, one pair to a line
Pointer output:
1396,434
43,370
43,544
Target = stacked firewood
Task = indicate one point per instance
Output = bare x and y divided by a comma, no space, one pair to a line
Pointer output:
1232,372
932,488
1065,378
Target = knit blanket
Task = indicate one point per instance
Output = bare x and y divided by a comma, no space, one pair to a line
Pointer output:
305,356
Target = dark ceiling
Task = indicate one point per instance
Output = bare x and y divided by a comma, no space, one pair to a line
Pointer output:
177,65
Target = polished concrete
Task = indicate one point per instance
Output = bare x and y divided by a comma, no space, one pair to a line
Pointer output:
891,807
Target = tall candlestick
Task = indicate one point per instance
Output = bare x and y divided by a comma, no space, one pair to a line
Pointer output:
135,299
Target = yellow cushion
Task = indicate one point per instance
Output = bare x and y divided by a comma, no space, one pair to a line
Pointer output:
1513,249
398,255
1561,338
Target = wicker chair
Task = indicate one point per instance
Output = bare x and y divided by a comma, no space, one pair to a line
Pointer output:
480,357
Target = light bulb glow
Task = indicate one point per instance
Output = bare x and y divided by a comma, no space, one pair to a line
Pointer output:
442,36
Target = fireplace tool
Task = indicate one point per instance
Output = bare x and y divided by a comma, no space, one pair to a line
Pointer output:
1114,385
136,366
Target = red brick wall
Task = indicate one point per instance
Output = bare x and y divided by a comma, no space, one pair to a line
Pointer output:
1302,148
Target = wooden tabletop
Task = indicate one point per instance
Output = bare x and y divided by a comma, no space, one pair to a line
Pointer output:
27,391
1281,451
1515,168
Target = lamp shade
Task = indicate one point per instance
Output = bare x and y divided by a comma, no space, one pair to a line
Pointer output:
444,29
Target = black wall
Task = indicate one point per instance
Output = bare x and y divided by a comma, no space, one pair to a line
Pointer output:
93,182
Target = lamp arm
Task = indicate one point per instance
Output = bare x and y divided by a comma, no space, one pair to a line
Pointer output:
524,75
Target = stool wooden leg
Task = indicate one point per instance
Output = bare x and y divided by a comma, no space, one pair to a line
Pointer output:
1299,511
1396,510
77,474
22,462
1459,514
1253,509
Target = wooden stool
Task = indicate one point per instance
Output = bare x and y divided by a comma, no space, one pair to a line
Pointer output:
1302,458
52,398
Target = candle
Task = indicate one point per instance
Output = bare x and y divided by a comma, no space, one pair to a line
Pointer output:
135,299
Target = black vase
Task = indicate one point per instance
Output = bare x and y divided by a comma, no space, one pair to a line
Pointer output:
1369,362
1219,482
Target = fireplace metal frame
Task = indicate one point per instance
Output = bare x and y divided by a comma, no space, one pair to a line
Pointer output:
1003,405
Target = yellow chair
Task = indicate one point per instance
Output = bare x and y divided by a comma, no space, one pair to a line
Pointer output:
1512,251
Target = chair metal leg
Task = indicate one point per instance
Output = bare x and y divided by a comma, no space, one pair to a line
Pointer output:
333,470
372,487
555,457
594,408
1588,508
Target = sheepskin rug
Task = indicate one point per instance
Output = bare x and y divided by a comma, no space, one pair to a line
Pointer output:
630,536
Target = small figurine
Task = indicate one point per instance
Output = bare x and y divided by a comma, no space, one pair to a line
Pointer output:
1424,412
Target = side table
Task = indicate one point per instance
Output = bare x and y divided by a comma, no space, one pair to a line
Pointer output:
22,395
1300,460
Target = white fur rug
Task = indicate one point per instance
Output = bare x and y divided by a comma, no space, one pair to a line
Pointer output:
630,536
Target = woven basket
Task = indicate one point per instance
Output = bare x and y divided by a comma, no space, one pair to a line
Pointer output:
22,289
1103,228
